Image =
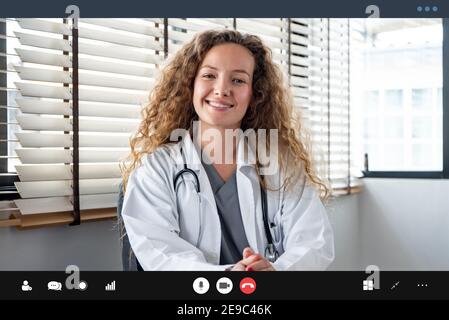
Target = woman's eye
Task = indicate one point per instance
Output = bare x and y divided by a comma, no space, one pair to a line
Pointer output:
208,76
239,81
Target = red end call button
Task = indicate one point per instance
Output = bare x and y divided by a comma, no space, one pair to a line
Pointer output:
248,285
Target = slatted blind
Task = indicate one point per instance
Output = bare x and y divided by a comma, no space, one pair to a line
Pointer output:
180,31
299,65
339,161
118,61
274,33
329,98
357,42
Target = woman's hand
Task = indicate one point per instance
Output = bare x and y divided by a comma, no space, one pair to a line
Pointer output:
252,262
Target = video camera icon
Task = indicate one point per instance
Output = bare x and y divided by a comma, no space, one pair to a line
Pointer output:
224,285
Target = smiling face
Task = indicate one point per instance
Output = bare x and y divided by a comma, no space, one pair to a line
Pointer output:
223,86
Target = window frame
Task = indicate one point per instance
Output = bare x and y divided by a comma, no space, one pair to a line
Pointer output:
7,187
444,174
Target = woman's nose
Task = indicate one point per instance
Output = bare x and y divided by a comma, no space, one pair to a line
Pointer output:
222,89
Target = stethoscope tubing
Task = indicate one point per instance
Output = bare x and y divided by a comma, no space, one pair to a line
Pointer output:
271,252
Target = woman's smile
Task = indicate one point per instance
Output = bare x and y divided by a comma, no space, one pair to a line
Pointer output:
219,105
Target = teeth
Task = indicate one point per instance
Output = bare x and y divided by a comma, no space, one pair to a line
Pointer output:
218,105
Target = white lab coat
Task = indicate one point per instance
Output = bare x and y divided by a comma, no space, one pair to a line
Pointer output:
181,230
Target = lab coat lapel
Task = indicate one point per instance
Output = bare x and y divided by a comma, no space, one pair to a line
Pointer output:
246,192
247,208
194,162
211,240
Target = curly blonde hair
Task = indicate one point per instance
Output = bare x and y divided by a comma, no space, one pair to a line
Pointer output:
271,107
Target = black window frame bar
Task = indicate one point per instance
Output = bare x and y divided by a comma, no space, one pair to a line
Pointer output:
444,174
75,127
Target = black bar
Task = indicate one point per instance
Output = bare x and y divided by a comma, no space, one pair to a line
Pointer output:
165,38
289,61
7,181
234,23
3,147
8,190
328,98
270,286
445,98
75,119
404,174
232,8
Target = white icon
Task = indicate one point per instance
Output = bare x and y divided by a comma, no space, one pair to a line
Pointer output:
26,286
372,282
82,286
422,285
54,285
110,286
201,285
395,285
224,285
368,285
248,284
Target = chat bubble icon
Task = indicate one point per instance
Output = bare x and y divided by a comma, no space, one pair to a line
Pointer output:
54,285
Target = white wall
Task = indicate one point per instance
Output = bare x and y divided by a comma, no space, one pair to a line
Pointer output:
95,245
91,246
404,224
344,218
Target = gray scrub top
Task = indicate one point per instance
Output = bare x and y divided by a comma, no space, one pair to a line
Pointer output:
233,237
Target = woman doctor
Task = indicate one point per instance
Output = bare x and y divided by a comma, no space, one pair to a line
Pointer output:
184,208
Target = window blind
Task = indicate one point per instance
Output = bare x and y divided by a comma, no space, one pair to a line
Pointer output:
7,191
180,31
274,33
299,65
357,41
118,60
329,98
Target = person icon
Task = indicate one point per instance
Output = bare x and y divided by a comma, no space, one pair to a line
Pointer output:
26,286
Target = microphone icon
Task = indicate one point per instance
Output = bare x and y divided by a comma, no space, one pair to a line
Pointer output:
201,285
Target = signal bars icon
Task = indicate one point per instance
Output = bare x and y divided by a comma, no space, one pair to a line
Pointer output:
110,286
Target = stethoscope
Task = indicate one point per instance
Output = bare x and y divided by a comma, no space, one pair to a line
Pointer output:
271,252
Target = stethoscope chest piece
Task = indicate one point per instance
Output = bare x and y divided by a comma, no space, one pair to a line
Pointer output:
271,253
